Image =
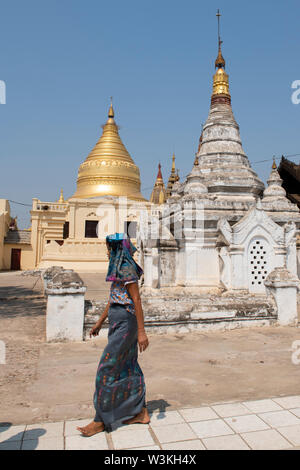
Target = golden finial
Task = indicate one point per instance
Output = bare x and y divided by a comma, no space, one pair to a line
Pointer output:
61,198
111,113
274,166
221,92
173,163
220,62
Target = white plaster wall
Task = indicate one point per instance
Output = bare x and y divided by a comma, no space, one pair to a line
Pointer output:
201,266
291,258
65,317
286,299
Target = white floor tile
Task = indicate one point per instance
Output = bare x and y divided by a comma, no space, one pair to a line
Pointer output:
70,426
288,402
131,439
195,444
212,428
291,433
246,423
266,440
280,418
262,406
296,412
234,442
96,442
44,430
129,427
174,432
168,417
51,443
230,409
198,414
146,448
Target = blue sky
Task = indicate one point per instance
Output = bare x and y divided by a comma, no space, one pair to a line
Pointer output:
62,60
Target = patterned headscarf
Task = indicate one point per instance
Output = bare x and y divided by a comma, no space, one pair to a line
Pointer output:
122,266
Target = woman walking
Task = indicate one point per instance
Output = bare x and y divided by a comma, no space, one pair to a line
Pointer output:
120,387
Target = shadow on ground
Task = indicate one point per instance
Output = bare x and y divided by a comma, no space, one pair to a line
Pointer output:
14,442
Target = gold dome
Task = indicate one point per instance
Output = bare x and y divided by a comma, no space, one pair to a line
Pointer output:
109,169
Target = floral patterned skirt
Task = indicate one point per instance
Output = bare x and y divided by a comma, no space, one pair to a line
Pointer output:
120,386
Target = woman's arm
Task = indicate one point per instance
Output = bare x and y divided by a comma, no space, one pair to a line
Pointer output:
97,327
133,290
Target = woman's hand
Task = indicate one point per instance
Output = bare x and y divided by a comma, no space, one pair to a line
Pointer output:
142,340
95,330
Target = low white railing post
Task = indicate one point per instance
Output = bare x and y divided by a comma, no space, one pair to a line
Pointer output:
65,307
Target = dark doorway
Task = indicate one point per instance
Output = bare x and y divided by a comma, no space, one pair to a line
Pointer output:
15,260
91,228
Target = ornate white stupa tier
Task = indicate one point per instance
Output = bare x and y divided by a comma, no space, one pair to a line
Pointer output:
222,160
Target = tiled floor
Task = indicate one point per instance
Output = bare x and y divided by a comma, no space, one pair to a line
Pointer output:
270,424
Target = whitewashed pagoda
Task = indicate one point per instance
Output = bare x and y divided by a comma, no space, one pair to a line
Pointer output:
221,233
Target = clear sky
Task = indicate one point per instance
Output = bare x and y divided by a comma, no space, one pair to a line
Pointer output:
62,60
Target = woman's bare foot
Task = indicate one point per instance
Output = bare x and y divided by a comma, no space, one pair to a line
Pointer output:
91,429
143,417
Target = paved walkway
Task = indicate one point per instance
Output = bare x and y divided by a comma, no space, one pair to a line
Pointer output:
271,424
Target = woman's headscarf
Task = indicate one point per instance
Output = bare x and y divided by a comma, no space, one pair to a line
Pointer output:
122,266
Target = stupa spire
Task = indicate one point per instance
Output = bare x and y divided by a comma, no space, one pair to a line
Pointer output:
61,197
158,195
221,158
221,92
111,113
172,177
220,61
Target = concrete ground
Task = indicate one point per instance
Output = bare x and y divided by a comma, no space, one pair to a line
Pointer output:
43,382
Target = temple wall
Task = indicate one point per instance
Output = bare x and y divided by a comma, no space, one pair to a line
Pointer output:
27,256
77,251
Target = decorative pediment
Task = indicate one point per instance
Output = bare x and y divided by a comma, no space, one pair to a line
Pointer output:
255,218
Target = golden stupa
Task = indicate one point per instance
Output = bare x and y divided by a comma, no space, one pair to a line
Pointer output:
109,169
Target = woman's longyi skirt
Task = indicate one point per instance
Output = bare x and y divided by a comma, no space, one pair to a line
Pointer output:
120,386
